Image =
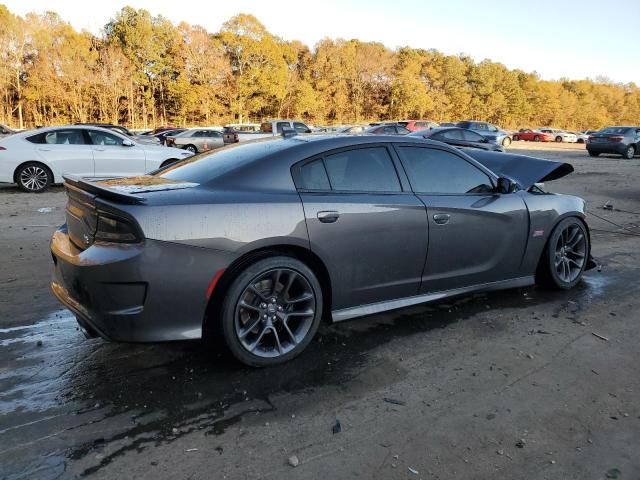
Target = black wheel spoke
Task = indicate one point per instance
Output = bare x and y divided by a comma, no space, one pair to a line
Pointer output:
243,304
302,298
258,292
243,333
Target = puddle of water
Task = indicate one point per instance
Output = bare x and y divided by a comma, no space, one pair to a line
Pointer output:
190,386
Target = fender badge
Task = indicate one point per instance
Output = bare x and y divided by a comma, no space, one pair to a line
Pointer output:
538,233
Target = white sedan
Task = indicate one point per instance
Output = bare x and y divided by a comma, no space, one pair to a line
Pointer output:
38,158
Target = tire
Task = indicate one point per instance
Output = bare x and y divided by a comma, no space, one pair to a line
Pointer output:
580,140
516,138
536,138
506,141
33,177
593,154
264,326
629,152
191,148
558,139
565,256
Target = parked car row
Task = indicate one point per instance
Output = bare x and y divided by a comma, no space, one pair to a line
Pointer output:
623,140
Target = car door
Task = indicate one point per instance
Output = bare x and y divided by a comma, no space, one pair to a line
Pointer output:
364,223
211,139
452,137
476,235
66,150
114,157
473,139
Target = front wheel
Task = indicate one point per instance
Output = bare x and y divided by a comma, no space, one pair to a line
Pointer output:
536,138
33,177
629,152
516,138
271,311
506,142
558,139
565,256
191,148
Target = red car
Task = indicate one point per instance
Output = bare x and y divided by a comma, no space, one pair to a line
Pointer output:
533,136
415,125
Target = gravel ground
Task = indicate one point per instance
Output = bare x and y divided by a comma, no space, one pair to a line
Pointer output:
523,383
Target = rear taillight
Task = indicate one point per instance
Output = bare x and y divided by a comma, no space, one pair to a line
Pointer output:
616,138
116,229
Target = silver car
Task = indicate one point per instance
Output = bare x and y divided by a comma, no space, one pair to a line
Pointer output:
197,140
560,135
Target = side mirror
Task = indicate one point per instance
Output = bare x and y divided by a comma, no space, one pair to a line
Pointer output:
484,140
127,143
505,185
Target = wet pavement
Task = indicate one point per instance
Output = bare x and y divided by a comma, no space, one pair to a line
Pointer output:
440,388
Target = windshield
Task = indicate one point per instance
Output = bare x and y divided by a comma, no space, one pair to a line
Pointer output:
618,130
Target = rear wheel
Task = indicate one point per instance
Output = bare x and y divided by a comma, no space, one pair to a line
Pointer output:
166,163
191,148
271,311
593,154
580,140
516,138
558,139
629,152
536,138
33,177
565,256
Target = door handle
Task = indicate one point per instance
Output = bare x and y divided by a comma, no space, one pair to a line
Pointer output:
328,216
441,218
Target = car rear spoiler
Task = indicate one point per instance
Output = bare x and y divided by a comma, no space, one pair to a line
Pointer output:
102,191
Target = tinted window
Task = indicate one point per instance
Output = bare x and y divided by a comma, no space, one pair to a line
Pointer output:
362,170
59,137
452,135
101,138
390,130
300,127
402,130
314,176
479,126
282,125
437,171
470,136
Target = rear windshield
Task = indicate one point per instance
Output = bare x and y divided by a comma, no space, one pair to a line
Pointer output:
207,166
621,130
404,124
266,127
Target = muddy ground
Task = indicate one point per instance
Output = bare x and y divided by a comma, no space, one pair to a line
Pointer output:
521,384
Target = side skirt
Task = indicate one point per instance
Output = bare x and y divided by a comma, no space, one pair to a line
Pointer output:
373,308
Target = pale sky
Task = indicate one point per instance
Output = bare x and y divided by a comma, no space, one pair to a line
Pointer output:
572,38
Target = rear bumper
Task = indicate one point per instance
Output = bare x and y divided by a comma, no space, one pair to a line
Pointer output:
155,291
617,147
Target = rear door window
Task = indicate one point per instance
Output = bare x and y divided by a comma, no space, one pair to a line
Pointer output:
470,136
64,137
362,170
281,126
452,135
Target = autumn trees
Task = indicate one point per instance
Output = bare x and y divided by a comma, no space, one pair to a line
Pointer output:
142,70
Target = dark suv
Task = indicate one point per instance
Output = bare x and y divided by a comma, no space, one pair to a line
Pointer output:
624,141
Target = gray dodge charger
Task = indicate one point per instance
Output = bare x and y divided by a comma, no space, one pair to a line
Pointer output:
256,243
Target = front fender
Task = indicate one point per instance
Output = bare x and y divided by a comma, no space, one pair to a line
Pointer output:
545,212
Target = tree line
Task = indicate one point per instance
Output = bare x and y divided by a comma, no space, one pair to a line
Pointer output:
142,71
